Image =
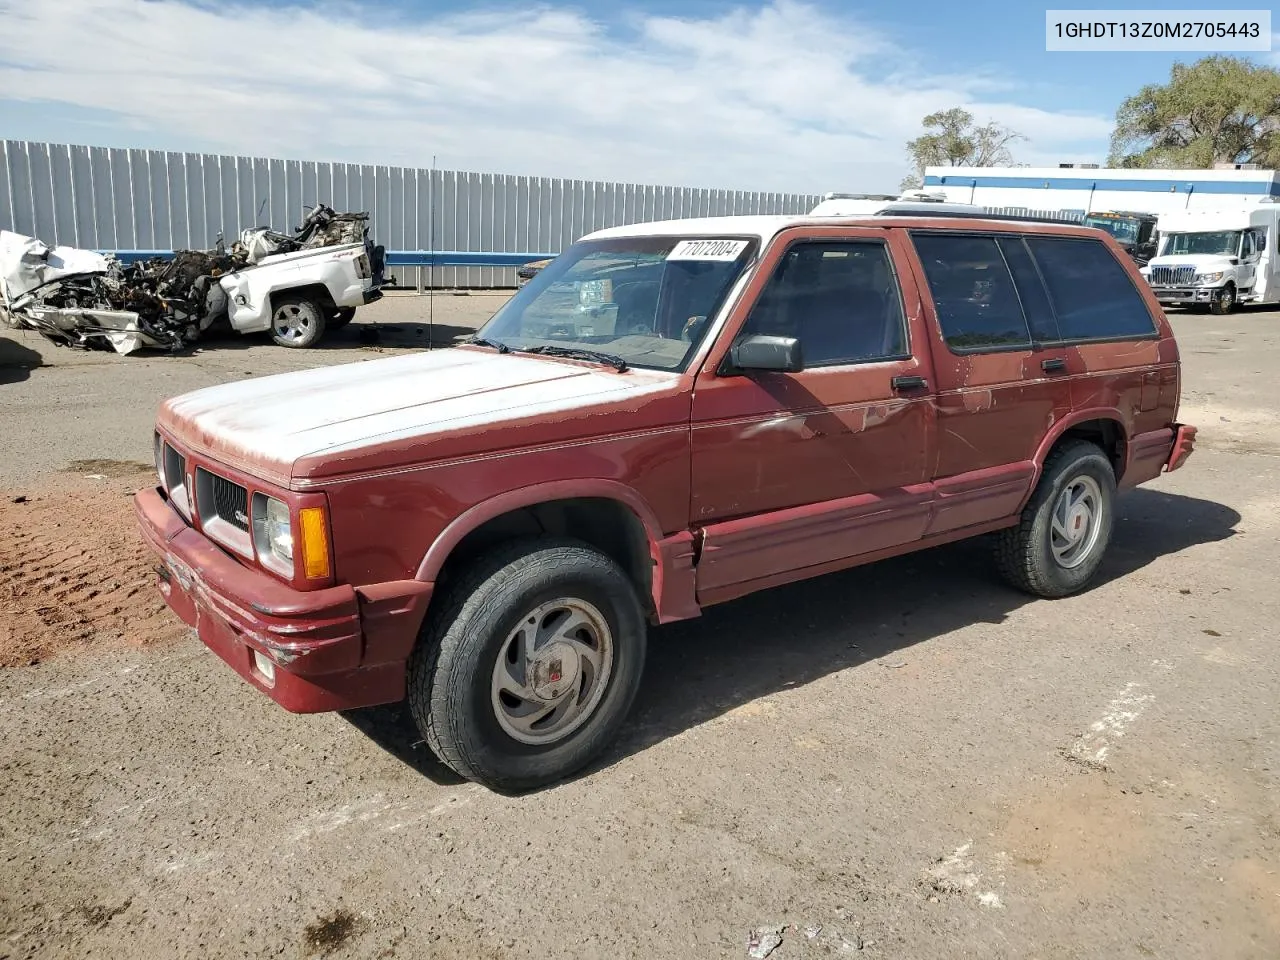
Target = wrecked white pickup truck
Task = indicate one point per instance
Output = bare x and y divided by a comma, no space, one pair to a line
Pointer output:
294,286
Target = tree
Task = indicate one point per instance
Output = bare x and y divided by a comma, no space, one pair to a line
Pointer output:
951,140
1218,109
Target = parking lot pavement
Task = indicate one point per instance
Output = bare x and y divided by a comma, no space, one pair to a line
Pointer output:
84,405
904,760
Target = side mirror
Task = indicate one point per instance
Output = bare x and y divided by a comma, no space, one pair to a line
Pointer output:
759,352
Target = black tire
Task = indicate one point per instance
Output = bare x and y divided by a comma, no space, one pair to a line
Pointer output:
306,315
1025,555
340,317
1223,301
451,671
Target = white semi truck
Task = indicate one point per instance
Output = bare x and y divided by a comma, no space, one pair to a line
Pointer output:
1217,259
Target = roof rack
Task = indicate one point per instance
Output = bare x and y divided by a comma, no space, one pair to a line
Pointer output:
967,215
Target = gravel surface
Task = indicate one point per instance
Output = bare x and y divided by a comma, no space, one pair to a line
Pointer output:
905,760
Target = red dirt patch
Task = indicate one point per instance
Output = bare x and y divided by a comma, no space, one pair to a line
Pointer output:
74,575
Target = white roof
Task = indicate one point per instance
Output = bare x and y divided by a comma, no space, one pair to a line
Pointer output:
763,227
1195,220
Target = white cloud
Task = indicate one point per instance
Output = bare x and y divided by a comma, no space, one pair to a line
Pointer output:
781,97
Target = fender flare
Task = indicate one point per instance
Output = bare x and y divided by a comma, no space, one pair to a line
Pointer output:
1075,418
472,518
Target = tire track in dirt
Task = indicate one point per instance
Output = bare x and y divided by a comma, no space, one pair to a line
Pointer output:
74,574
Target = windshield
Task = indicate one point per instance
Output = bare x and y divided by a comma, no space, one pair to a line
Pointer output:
1224,242
646,300
1125,231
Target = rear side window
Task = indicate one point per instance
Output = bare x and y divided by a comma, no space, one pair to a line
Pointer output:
1092,295
978,307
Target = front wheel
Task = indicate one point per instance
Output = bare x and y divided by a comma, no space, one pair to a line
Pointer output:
1065,528
297,321
526,673
1223,300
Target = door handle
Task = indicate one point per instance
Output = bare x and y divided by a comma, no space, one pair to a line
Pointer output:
1054,365
909,383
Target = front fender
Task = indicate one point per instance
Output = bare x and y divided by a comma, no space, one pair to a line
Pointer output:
672,557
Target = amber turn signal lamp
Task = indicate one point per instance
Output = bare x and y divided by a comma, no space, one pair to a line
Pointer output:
315,543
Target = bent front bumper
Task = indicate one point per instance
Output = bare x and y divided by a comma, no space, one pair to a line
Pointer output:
334,649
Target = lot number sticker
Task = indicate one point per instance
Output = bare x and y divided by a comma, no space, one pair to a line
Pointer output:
707,250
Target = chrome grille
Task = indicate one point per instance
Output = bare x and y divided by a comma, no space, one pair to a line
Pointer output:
221,498
1172,276
175,469
175,480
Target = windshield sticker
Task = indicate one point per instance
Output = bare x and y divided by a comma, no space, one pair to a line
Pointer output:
726,250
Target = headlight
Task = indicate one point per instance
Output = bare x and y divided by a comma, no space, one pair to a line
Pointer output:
273,539
1209,277
273,532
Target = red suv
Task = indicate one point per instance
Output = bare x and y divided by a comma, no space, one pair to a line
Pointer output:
667,416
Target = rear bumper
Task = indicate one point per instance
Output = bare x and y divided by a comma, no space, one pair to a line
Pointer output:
333,649
1184,443
1157,452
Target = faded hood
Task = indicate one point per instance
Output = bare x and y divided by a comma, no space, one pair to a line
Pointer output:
265,426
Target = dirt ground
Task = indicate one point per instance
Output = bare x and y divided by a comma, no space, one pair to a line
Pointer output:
906,760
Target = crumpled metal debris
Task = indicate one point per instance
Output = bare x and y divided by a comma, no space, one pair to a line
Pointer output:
762,941
80,298
323,227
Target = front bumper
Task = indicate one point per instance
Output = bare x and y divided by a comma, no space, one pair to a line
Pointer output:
1178,295
332,649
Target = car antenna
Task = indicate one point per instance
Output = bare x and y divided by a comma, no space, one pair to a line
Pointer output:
431,268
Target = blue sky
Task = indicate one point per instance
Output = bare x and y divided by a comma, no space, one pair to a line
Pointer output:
778,95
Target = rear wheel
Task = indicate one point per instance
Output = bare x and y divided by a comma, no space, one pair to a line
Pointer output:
340,317
1223,300
297,321
1060,542
528,670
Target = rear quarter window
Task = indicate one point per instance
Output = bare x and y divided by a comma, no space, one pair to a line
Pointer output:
1092,294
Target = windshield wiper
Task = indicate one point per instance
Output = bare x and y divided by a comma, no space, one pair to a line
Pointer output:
578,353
485,342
